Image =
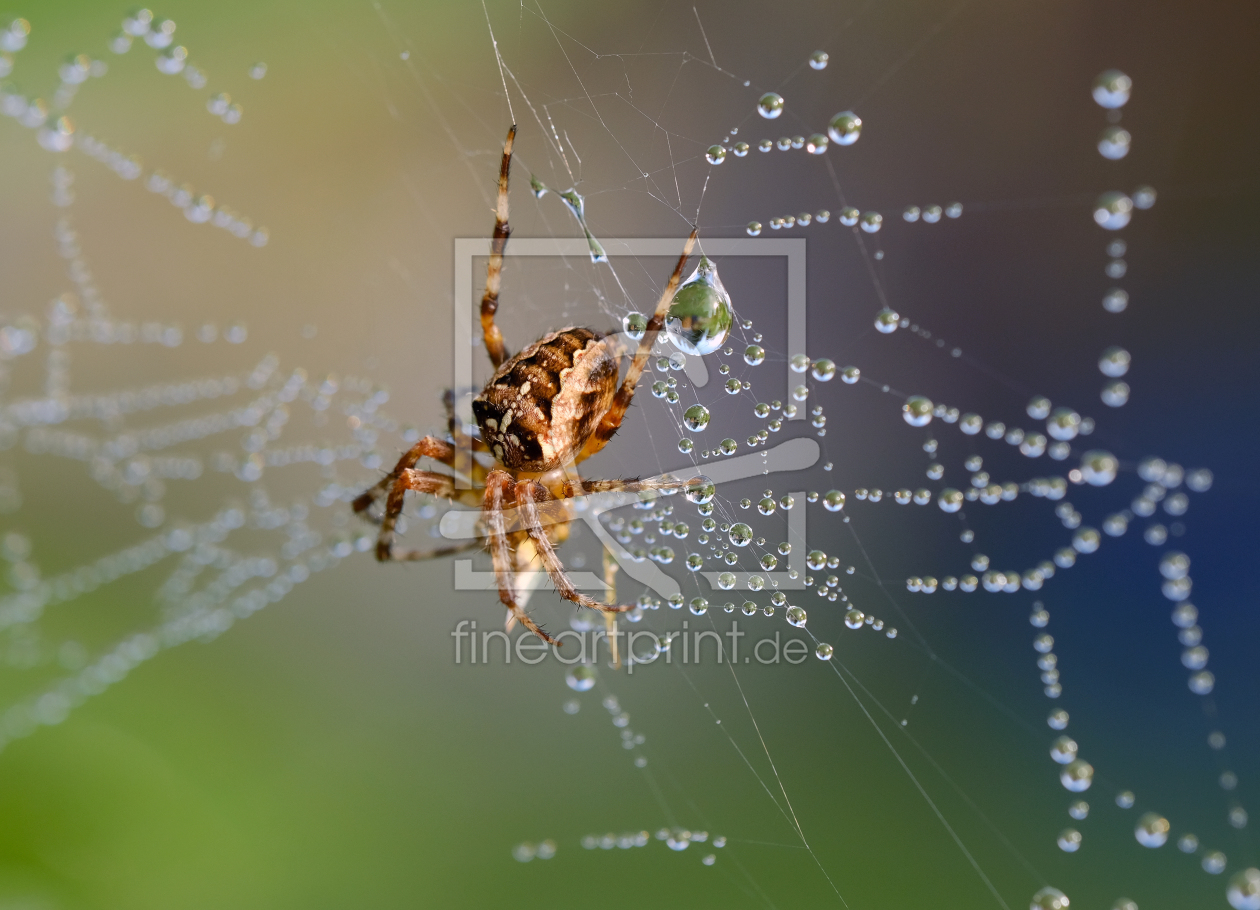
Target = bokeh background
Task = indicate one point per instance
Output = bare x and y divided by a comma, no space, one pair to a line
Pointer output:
328,752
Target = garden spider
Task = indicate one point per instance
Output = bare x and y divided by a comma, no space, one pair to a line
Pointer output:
551,406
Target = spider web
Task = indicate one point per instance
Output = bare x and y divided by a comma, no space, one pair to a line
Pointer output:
910,765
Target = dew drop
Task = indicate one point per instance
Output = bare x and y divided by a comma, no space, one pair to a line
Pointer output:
1112,88
700,315
580,678
715,155
917,411
1114,143
1113,211
845,128
886,321
696,417
740,535
634,325
818,60
770,105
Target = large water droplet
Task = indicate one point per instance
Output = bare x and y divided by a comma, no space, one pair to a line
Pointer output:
700,315
796,617
1112,88
917,411
1114,143
1049,899
1151,830
1077,776
699,489
634,325
770,105
740,534
696,417
886,321
715,155
1113,211
845,128
580,678
1244,890
1098,468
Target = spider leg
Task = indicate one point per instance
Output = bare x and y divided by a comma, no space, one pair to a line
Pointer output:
408,479
494,271
582,487
499,485
611,421
456,428
437,449
610,619
435,553
528,494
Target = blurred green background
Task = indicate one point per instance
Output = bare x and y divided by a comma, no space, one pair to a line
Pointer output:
328,753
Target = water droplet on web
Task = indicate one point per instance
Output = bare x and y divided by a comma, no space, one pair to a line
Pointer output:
871,222
1114,143
1077,776
740,149
1111,89
1113,211
754,354
818,60
917,411
740,534
715,154
700,315
1151,830
634,325
796,617
696,417
699,489
845,128
580,678
770,105
1049,899
1243,892
1115,301
816,144
1069,840
754,228
577,205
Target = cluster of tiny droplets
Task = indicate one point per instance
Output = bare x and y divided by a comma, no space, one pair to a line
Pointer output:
55,131
676,839
215,580
1062,427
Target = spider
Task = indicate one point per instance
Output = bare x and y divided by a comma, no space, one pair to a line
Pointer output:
544,411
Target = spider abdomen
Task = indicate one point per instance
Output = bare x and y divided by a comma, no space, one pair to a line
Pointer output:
541,406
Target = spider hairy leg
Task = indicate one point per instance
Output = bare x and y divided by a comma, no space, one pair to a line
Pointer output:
611,421
528,494
494,271
408,479
499,487
437,449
